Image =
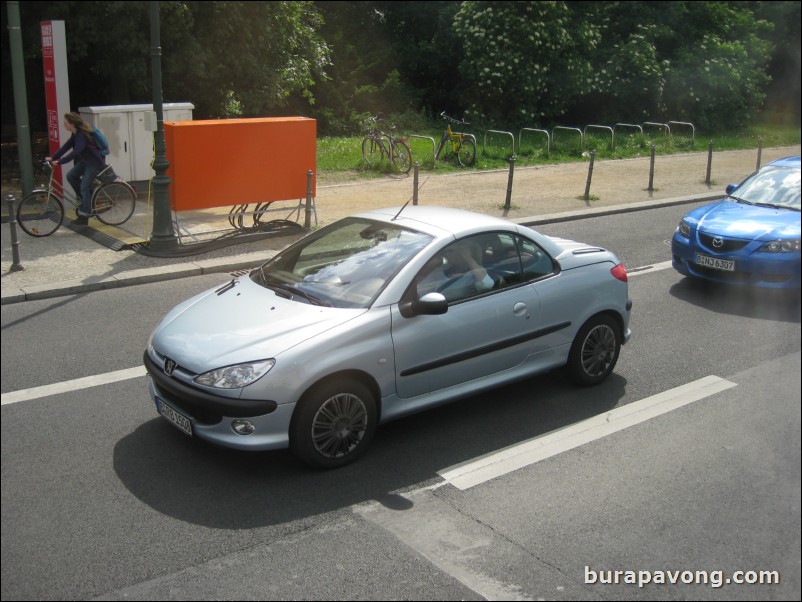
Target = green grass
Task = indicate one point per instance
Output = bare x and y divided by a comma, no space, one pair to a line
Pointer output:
343,156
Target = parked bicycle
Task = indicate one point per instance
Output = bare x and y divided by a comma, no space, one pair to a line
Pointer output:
42,212
456,144
378,144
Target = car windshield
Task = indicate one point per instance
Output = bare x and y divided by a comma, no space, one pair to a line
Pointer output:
772,186
343,265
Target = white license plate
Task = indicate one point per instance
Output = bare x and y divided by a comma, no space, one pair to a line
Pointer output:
178,419
727,265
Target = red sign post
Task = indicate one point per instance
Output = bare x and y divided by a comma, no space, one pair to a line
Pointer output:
57,90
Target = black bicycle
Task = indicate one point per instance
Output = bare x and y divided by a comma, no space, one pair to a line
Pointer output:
378,144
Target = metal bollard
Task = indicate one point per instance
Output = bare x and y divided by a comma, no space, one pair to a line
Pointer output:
651,171
16,266
308,210
759,151
709,162
590,175
509,183
415,184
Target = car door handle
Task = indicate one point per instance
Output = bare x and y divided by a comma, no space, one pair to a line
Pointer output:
519,309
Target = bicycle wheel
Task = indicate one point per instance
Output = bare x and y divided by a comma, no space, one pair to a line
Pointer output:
40,214
114,203
372,151
402,155
467,152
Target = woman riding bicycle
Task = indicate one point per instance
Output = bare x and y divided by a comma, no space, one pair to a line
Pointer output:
88,162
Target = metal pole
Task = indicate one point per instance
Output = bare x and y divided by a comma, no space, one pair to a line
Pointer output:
709,162
163,236
759,150
651,171
509,183
24,153
590,175
16,266
308,210
415,184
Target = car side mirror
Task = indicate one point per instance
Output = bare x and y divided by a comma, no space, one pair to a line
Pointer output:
431,304
731,188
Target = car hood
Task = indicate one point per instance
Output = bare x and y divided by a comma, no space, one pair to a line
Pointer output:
244,322
749,222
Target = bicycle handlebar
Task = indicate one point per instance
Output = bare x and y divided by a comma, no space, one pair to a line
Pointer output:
453,119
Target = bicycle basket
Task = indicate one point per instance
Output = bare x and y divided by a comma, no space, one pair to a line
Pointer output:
107,176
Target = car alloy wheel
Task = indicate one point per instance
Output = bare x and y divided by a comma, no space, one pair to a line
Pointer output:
595,350
333,424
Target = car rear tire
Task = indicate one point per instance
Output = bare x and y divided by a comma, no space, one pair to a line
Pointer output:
594,351
333,424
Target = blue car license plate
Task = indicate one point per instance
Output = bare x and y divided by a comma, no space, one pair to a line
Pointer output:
727,265
174,416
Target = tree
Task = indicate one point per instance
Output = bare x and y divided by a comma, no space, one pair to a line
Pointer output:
227,58
244,59
525,61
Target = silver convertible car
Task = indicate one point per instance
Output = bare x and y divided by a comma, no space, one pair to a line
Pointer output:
377,316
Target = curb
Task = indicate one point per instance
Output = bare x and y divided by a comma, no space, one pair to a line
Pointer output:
247,262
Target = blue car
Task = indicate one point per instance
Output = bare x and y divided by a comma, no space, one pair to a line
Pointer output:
749,238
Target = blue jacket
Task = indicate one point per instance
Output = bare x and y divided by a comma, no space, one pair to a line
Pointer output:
82,148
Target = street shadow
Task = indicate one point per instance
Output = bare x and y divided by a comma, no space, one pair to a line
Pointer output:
765,304
227,489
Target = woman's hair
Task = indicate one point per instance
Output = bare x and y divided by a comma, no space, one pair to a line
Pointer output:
79,123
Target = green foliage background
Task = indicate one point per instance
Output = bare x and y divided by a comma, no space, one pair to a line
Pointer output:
505,65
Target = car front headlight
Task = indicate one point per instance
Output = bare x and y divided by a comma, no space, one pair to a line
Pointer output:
684,229
235,377
780,246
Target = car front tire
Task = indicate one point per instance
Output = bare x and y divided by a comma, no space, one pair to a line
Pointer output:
333,424
594,351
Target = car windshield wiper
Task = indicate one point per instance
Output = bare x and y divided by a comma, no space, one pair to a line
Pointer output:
740,200
290,292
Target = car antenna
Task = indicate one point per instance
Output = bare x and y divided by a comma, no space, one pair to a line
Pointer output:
407,203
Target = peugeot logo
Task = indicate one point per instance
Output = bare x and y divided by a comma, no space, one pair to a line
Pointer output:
718,242
169,366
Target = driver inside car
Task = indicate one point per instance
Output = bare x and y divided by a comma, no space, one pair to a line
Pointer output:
456,272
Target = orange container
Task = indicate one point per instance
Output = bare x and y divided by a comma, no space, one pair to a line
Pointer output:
218,163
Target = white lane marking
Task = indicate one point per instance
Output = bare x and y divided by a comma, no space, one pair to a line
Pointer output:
72,385
649,268
464,548
479,470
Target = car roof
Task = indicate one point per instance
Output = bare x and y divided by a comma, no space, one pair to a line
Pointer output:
792,161
438,221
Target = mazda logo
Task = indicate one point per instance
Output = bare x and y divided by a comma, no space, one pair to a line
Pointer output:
169,366
718,242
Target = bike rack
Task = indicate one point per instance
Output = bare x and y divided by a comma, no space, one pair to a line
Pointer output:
429,138
601,127
628,125
510,134
548,138
693,129
661,126
581,135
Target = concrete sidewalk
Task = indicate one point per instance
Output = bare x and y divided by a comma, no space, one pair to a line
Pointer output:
79,260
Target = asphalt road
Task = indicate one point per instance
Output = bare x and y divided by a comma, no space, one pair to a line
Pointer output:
103,499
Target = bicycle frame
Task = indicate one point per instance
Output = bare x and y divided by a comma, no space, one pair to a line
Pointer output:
454,140
64,193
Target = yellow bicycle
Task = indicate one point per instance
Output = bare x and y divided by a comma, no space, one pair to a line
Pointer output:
456,144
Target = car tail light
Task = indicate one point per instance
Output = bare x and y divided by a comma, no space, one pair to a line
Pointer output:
620,272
